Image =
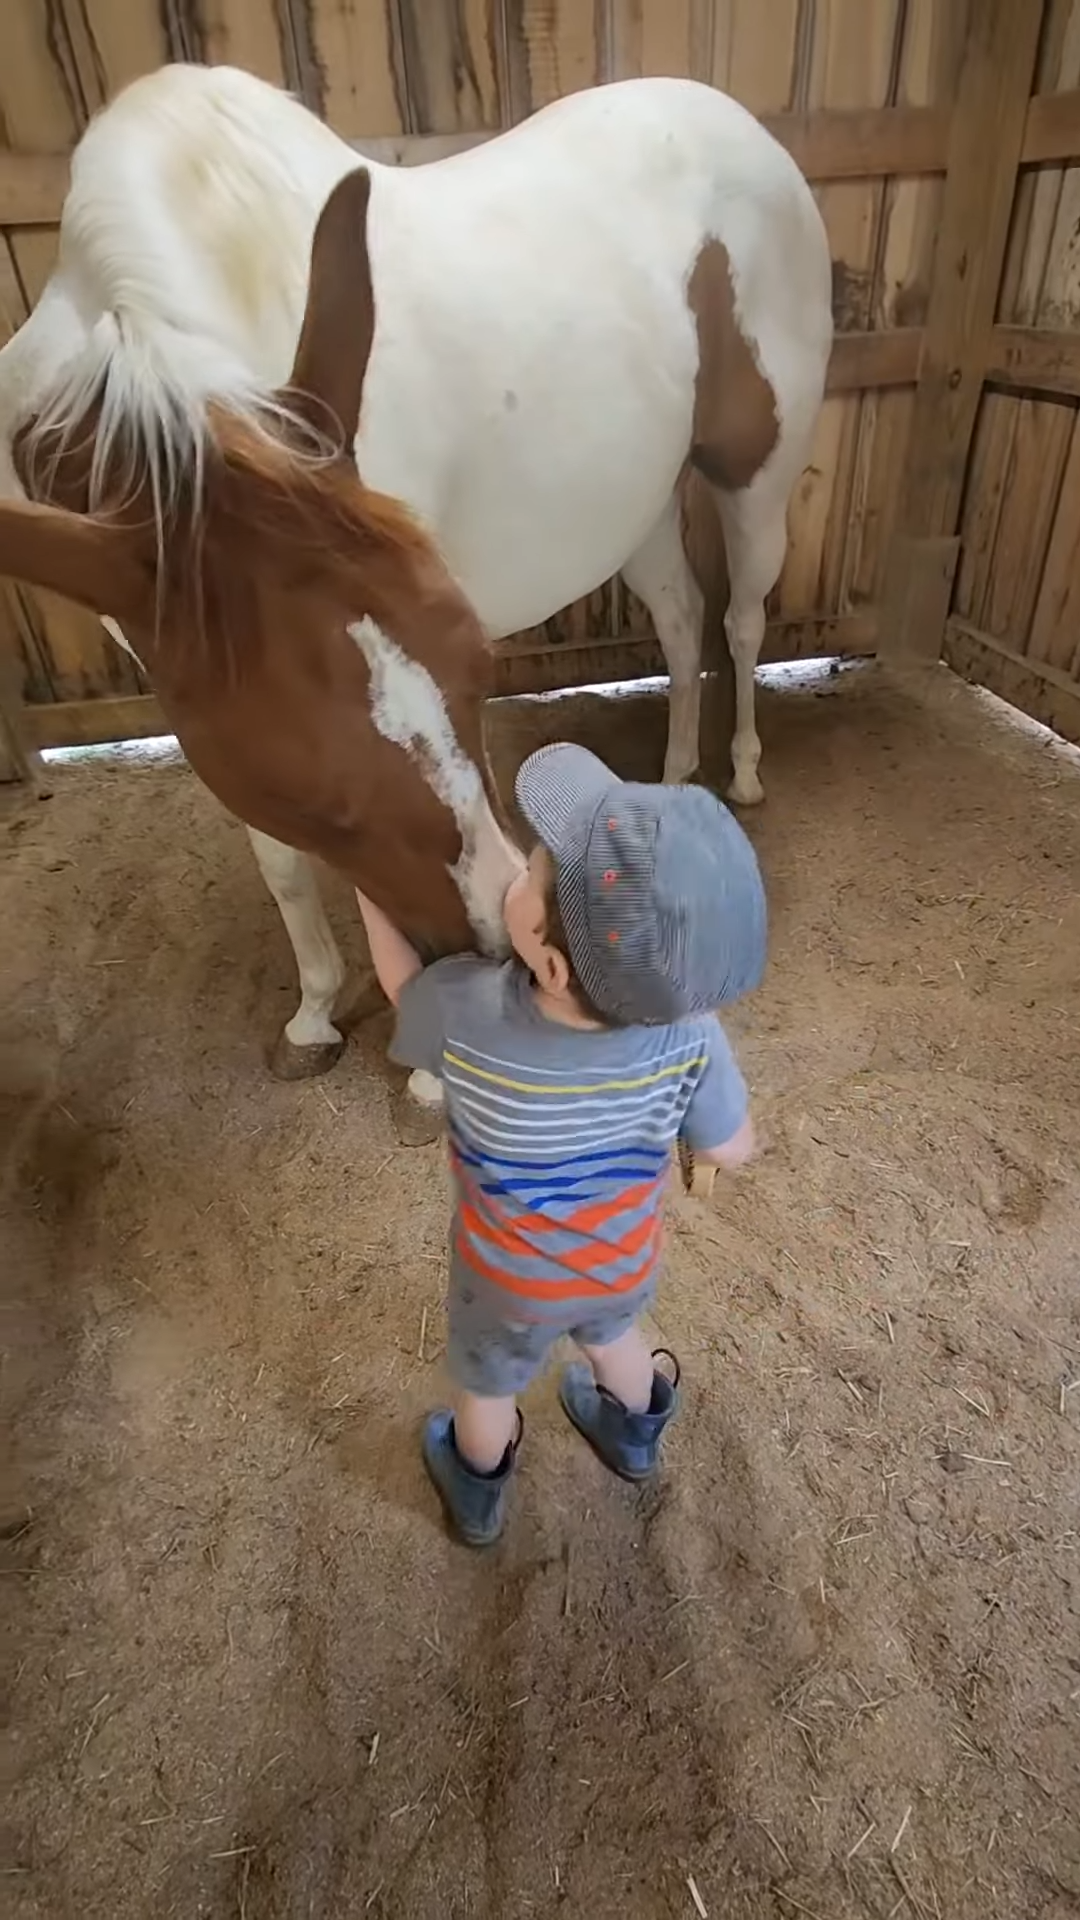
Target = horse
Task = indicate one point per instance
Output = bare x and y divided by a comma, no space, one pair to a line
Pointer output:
630,285
323,671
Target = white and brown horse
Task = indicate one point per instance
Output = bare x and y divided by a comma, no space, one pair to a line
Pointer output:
633,281
322,669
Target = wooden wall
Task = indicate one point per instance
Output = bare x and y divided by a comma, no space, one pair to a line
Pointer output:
861,91
1016,608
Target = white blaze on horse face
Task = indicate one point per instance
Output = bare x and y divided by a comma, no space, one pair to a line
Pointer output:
407,707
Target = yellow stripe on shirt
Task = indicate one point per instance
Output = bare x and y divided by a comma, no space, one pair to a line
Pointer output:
595,1086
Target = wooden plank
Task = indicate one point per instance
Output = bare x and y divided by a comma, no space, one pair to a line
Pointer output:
755,56
14,753
92,723
1054,635
852,60
449,49
1038,359
109,43
349,56
550,48
1043,692
43,106
82,723
994,88
245,33
839,145
1033,488
32,188
865,143
1052,129
1020,444
984,501
930,56
887,359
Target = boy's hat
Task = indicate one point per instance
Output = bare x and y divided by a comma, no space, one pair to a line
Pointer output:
658,888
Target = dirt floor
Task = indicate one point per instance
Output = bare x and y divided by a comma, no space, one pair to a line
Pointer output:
828,1666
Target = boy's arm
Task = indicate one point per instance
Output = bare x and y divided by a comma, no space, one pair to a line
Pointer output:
717,1126
394,960
734,1153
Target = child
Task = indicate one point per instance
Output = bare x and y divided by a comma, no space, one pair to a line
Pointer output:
569,1072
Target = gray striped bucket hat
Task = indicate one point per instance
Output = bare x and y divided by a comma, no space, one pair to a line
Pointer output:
659,888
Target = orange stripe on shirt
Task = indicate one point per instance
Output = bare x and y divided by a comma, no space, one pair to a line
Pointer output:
520,1236
583,1288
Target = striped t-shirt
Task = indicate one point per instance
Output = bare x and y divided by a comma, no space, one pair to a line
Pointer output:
560,1138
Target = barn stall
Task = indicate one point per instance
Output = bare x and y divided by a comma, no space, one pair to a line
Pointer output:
827,1666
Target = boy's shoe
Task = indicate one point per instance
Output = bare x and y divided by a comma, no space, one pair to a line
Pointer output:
628,1443
474,1502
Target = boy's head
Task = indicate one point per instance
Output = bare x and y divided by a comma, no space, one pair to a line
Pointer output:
642,904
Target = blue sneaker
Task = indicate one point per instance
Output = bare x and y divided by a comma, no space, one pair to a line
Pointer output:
474,1502
628,1443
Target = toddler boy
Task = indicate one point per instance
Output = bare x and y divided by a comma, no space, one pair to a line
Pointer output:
569,1073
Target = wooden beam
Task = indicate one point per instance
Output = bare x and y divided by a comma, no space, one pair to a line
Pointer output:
1052,129
15,755
864,144
994,90
886,359
1041,691
1035,360
84,723
93,723
844,144
32,188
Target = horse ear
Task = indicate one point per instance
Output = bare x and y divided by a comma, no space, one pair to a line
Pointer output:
96,565
339,319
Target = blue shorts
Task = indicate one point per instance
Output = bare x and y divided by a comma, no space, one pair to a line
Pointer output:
494,1357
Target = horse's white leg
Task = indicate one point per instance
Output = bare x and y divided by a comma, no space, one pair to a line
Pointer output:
755,538
310,1043
661,575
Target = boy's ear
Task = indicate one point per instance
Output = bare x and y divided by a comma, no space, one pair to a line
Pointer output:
553,971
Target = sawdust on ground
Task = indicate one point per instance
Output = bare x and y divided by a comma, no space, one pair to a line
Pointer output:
829,1666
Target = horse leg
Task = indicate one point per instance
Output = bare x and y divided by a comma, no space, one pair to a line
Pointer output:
660,574
310,1043
755,538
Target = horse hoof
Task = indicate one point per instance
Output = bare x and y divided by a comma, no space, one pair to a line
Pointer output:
290,1062
746,791
415,1122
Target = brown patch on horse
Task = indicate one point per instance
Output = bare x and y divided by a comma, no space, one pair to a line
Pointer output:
244,633
735,420
270,694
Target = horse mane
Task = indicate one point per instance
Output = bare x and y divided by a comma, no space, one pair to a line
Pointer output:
218,492
139,417
311,504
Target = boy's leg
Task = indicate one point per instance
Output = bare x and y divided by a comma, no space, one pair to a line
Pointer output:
483,1429
620,1403
624,1368
470,1447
